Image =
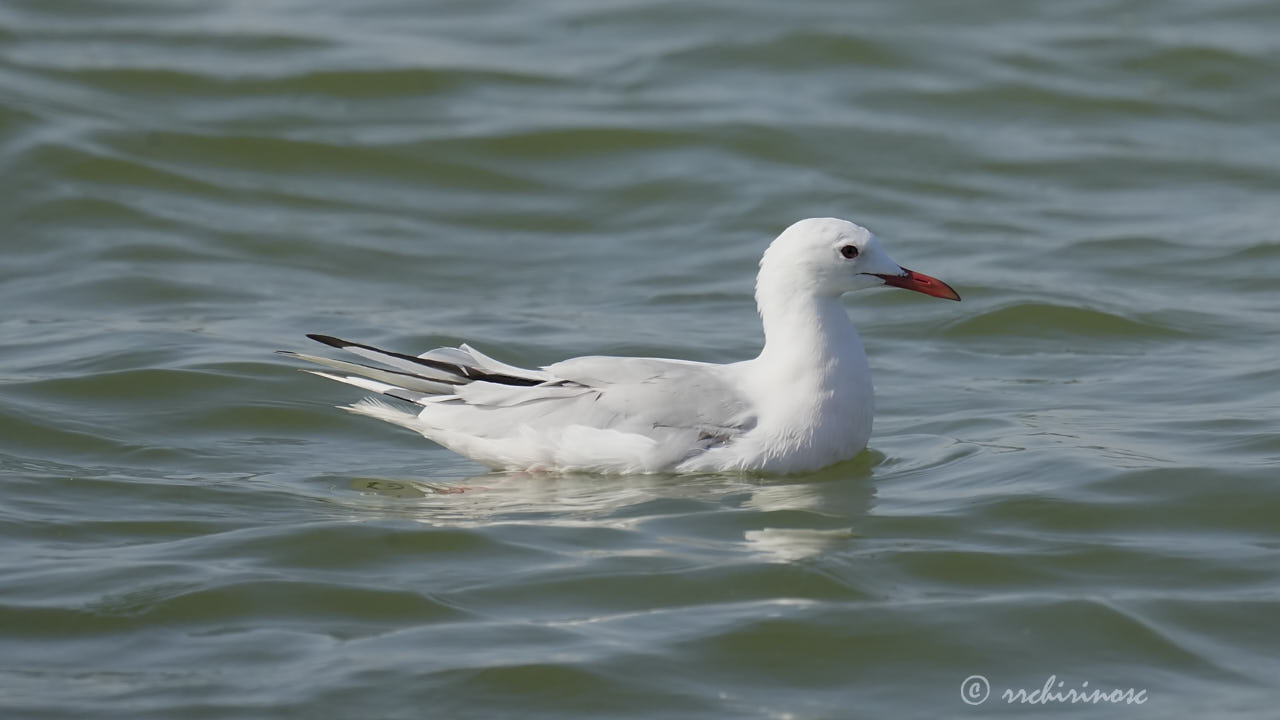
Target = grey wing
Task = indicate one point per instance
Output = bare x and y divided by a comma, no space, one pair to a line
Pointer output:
464,390
658,393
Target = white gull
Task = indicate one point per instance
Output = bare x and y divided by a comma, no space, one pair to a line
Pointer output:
804,403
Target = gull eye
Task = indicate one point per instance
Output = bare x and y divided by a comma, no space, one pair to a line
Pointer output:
849,251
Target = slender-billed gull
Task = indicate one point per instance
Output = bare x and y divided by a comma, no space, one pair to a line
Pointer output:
804,403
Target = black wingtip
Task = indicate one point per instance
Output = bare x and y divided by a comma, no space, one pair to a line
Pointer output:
329,340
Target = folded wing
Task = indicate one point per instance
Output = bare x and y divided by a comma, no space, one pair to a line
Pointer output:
603,413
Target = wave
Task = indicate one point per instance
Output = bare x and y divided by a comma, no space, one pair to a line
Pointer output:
1030,321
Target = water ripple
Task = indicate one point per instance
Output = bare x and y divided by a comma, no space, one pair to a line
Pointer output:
1071,471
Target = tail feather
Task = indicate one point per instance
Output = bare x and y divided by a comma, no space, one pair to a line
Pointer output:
437,376
398,378
434,377
399,393
444,372
374,408
453,370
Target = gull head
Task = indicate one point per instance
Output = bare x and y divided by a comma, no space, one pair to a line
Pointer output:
830,257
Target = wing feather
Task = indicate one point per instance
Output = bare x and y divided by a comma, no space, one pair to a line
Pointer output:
646,412
396,378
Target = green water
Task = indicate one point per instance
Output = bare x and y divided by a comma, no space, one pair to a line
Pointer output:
1073,472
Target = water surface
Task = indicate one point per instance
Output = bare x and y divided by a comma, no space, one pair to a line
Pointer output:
1073,474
